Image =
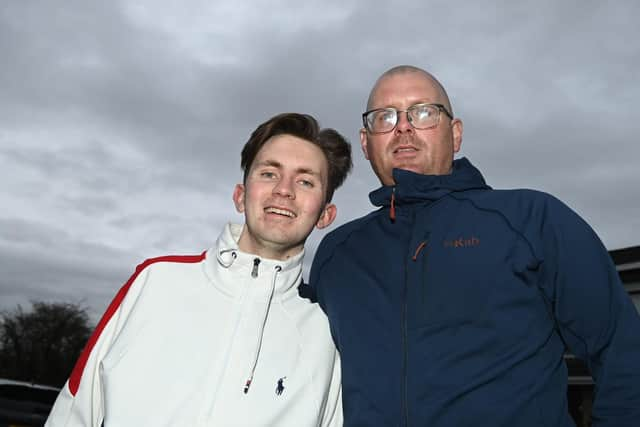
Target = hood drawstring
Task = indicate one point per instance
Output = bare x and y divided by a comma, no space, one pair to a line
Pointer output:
265,314
392,209
220,255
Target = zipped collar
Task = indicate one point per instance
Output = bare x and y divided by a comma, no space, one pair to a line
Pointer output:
413,187
226,256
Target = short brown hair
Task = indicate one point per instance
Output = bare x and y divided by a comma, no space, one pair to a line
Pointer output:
335,147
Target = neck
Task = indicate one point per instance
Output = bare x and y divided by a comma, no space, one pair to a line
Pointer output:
265,249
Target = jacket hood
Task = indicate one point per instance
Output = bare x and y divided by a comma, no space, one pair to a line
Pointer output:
413,187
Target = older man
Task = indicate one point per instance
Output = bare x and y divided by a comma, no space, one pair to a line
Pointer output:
452,304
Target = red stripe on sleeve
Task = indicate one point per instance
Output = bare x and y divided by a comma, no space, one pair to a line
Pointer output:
78,369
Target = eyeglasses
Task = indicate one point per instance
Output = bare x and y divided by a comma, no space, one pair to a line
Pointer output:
421,116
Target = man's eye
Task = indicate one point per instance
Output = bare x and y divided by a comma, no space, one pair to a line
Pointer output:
306,183
267,174
422,112
386,116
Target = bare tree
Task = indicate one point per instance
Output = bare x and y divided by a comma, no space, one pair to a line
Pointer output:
42,345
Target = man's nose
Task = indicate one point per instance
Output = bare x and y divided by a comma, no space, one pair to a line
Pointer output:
403,124
284,188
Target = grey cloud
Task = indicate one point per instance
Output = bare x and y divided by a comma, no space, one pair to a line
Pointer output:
41,262
122,123
23,232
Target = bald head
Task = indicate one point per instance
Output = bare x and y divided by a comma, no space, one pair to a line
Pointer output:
427,151
408,69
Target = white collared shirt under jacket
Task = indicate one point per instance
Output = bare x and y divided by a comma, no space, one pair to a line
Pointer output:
218,339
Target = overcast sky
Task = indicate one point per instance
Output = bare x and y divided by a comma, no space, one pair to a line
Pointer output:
121,122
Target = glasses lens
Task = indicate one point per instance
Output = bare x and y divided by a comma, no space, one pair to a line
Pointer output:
382,120
423,116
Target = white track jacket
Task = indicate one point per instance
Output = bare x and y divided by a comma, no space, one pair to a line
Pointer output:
218,339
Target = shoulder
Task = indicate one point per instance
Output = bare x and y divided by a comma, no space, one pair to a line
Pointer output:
350,233
346,231
168,261
519,206
531,214
509,197
534,204
172,259
163,267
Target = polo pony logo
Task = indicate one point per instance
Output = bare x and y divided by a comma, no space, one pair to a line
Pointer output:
462,242
280,386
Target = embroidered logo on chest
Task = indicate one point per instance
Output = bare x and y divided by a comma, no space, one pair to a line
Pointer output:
280,386
462,242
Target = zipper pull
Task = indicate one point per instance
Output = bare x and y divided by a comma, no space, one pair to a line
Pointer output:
418,250
254,270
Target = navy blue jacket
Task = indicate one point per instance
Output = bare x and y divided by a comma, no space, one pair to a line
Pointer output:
458,312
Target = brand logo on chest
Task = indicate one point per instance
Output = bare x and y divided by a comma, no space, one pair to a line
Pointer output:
280,386
462,242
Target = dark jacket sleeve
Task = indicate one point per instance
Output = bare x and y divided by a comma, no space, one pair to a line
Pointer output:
594,313
315,278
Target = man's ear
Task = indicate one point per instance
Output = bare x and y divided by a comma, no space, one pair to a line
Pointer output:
456,130
363,142
238,197
327,216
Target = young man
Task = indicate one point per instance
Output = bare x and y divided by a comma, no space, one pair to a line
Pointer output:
453,304
225,338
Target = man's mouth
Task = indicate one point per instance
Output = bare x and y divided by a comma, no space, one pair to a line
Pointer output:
405,149
280,211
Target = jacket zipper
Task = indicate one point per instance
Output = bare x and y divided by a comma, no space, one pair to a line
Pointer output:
425,255
254,270
405,344
405,350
